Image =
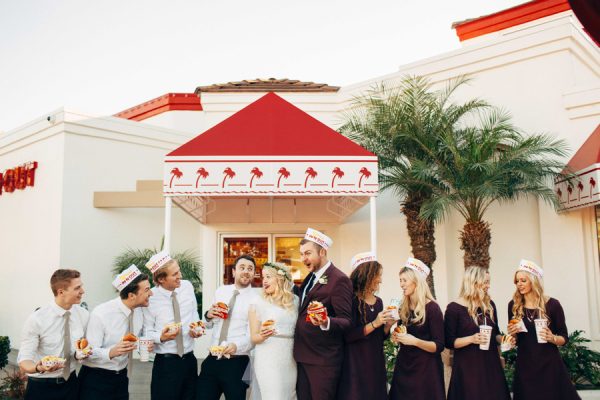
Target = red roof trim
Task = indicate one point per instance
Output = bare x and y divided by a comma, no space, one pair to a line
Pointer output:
588,154
518,15
167,102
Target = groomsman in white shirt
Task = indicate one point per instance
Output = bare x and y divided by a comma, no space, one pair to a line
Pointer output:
104,374
224,376
52,331
175,369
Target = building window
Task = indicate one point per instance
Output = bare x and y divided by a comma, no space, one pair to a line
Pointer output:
284,248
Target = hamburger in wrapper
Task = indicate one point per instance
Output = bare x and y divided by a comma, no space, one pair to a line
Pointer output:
316,308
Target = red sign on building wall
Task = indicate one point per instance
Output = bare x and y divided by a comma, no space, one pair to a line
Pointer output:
18,178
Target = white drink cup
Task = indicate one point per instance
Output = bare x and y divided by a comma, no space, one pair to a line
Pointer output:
540,323
143,348
395,303
486,331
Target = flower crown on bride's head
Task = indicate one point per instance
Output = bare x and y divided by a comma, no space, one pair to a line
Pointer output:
280,268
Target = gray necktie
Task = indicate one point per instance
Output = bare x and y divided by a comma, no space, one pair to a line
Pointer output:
225,327
130,355
67,345
177,314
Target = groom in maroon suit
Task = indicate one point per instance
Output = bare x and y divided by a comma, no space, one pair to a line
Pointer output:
319,343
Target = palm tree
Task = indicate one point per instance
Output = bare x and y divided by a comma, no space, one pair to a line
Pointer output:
490,162
310,173
256,173
283,173
337,173
229,173
400,125
202,173
175,173
364,173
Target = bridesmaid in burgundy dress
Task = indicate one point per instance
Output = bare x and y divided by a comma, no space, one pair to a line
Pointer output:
476,373
363,371
418,374
540,372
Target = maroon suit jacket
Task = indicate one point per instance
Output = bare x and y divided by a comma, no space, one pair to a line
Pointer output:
312,345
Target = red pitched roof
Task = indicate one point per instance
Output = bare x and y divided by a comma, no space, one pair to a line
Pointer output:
270,126
588,154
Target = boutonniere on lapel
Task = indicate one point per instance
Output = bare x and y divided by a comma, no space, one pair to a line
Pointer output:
323,280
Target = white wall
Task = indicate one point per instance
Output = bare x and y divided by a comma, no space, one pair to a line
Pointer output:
30,223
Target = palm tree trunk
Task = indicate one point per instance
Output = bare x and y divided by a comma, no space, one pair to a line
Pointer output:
421,233
475,240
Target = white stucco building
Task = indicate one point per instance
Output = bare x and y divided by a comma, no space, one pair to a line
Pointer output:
545,71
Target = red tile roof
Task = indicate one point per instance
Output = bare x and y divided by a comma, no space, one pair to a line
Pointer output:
268,85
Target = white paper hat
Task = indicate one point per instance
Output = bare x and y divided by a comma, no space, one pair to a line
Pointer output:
360,258
157,261
418,266
318,237
125,277
531,267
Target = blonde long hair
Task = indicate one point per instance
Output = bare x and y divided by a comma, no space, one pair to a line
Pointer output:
471,291
282,296
422,293
537,287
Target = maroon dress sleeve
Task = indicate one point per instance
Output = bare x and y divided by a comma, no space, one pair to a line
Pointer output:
357,331
495,327
557,319
436,325
450,325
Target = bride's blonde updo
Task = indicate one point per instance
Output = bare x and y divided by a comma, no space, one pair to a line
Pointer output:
282,296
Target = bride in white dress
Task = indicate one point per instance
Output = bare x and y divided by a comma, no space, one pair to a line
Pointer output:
274,364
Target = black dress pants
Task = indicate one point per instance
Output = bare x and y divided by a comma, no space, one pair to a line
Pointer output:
222,376
52,388
103,384
174,377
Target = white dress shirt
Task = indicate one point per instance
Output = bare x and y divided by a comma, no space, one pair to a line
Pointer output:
109,322
43,335
239,331
160,313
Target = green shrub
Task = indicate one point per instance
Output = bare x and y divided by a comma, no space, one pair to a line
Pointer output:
390,350
583,364
4,350
188,262
13,384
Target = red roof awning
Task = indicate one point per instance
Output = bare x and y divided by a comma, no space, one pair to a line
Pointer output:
584,191
270,148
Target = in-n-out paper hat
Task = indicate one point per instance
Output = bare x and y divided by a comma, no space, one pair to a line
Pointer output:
158,260
319,238
124,278
531,267
418,266
360,258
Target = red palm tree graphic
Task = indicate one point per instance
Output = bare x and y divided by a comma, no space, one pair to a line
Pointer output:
580,187
175,173
570,190
256,173
559,192
283,173
310,173
202,173
337,173
592,185
228,174
364,173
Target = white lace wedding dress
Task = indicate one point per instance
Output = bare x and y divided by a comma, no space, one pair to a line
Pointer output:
274,364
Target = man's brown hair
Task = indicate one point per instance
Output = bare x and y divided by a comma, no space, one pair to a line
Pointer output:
318,247
61,279
162,272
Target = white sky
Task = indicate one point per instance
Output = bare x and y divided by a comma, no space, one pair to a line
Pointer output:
101,57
